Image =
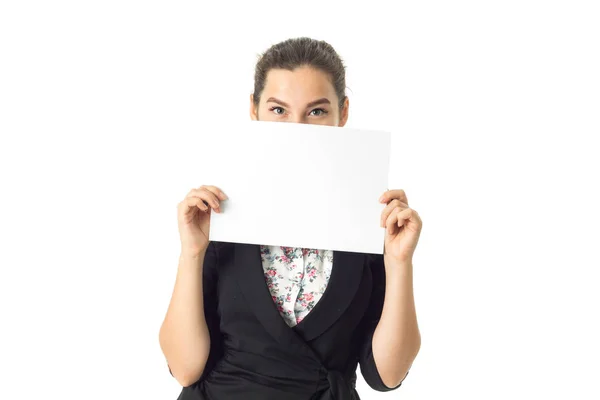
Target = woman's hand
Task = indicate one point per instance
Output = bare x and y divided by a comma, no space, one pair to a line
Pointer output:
403,226
193,218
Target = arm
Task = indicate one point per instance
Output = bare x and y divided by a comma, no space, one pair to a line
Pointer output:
397,340
387,351
184,335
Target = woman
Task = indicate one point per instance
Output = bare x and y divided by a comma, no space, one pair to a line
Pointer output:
269,322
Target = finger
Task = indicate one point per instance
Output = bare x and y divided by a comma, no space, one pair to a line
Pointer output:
190,205
388,196
408,215
216,191
388,210
392,220
196,202
209,197
206,198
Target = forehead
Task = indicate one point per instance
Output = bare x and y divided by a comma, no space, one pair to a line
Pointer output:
301,85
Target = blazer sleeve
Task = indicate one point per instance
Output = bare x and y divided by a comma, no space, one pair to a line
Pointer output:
209,288
367,362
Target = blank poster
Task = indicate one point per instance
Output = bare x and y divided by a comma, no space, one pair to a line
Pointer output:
299,185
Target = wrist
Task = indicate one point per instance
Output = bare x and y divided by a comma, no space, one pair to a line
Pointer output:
401,267
192,256
397,261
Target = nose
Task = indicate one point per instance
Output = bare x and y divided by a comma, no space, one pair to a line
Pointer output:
298,118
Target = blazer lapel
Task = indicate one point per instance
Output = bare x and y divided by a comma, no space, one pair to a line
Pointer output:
250,277
344,282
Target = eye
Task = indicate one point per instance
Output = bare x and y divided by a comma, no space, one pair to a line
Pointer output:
317,112
277,110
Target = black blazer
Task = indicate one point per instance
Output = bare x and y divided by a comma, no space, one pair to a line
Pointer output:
254,354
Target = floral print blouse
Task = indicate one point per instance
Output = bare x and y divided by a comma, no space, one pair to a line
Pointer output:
296,278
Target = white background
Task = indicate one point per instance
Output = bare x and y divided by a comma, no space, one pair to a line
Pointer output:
494,108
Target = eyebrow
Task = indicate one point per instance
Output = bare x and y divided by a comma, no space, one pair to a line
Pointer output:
309,105
274,100
317,102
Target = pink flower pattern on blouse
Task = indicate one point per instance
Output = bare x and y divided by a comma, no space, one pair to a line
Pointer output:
296,278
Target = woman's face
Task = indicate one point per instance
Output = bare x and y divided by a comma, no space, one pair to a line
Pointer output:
304,95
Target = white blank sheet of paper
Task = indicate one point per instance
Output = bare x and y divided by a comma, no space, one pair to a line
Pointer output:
300,185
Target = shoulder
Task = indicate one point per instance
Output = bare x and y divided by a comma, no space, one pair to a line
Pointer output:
220,247
373,258
221,252
376,264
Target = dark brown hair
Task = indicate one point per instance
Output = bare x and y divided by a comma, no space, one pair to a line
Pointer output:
293,53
